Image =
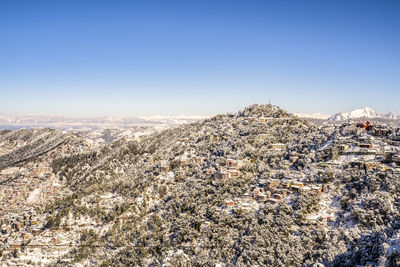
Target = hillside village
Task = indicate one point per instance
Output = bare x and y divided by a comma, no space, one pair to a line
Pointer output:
29,185
257,188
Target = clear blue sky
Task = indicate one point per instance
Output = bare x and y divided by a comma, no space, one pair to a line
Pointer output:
137,58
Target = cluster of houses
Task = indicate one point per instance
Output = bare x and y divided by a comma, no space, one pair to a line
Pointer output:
180,164
229,171
7,145
373,147
273,190
22,200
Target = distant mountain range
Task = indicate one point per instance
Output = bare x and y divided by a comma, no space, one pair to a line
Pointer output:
318,116
30,121
365,112
94,123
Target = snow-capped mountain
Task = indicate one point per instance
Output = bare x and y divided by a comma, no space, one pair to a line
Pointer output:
357,113
362,113
365,112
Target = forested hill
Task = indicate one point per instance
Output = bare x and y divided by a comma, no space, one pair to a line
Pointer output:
245,189
29,145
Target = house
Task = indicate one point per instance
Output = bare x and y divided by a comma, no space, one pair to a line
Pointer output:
281,191
198,160
365,125
305,189
180,174
233,173
262,196
27,236
333,153
285,183
365,145
213,137
164,166
232,164
55,240
247,196
244,207
264,119
229,203
272,183
297,183
391,157
17,244
371,165
257,191
381,132
183,161
312,220
150,159
209,171
262,137
329,218
295,188
316,189
382,167
278,146
17,226
221,174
